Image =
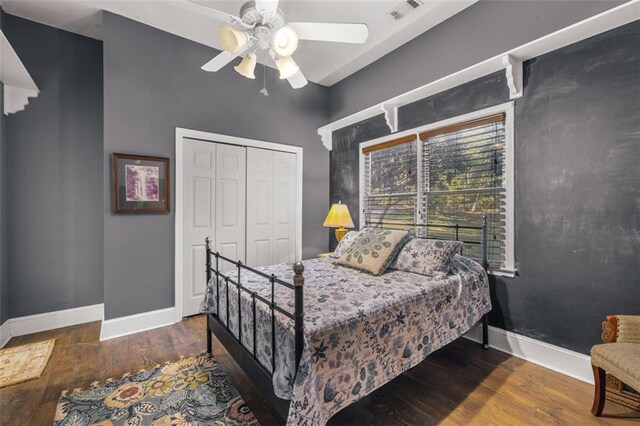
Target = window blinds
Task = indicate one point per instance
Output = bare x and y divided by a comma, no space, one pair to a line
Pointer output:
455,176
463,179
390,185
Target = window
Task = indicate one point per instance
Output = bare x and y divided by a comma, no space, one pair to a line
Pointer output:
391,183
452,172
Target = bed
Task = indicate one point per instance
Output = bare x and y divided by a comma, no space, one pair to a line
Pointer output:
338,333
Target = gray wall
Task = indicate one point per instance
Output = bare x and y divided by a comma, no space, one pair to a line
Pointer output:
54,200
153,83
486,29
4,282
577,184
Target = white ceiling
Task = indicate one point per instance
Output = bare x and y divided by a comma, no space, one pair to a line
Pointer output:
324,63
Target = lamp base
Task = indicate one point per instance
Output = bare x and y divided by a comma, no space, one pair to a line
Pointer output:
340,233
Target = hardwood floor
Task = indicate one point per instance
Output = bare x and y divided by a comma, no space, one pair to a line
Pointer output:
460,384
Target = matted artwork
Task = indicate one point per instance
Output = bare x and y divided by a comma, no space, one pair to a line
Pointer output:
140,184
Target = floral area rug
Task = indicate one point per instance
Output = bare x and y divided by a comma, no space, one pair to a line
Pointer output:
26,362
193,391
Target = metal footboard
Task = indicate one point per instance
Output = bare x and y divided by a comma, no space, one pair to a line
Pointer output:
226,280
248,358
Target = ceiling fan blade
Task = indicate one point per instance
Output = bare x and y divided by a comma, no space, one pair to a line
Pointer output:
222,59
267,7
340,33
192,6
298,80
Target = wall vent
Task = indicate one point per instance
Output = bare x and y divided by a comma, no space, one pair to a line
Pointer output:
404,8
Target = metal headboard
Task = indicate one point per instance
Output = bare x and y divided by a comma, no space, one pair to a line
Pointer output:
455,227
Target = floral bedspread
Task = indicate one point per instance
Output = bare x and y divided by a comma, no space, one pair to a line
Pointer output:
361,331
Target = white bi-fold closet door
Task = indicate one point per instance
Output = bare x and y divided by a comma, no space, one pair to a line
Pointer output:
244,198
271,207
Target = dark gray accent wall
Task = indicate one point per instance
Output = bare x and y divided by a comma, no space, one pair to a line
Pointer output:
4,282
577,192
577,148
153,84
54,197
484,30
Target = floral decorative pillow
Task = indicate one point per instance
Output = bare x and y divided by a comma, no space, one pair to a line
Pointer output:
427,257
373,249
344,243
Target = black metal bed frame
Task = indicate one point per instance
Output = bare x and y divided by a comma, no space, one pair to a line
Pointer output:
247,359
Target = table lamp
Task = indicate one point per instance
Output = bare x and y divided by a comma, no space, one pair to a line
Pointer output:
339,217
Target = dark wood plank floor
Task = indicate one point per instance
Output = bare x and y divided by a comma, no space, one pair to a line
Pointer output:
460,384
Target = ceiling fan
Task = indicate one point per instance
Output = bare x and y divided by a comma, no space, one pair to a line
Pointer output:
262,26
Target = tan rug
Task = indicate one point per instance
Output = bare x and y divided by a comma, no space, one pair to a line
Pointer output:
25,362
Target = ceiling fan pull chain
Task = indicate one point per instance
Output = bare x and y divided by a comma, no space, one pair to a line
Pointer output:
264,90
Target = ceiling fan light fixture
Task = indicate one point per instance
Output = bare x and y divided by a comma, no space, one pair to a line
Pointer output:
287,67
247,66
285,41
232,40
261,26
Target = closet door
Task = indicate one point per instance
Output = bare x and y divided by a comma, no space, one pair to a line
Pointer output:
198,200
271,207
284,198
230,200
213,200
259,206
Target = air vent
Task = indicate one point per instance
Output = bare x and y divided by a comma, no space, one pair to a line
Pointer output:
404,8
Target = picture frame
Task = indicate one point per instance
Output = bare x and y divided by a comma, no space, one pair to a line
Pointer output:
140,184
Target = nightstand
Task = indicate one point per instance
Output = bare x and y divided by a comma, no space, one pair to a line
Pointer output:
325,255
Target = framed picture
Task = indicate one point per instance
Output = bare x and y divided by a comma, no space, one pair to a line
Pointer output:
140,184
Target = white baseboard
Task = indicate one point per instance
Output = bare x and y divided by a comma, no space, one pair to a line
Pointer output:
57,319
131,324
5,333
553,357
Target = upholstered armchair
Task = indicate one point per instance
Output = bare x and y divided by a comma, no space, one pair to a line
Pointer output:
619,356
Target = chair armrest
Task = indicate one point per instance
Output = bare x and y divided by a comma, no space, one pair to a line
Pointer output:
609,329
628,329
621,328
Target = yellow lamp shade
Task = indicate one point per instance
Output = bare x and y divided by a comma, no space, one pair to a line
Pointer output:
339,216
232,40
247,66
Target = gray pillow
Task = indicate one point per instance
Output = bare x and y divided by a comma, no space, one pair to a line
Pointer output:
344,243
426,257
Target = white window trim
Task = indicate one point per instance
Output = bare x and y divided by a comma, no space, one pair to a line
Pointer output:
509,110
